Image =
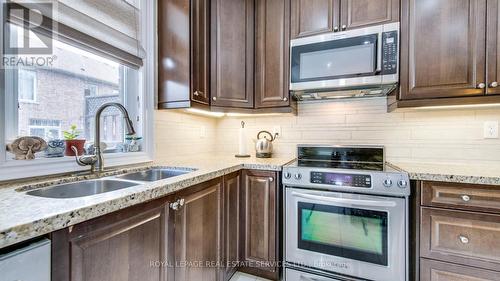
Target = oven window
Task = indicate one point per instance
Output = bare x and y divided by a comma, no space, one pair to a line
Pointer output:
343,58
356,234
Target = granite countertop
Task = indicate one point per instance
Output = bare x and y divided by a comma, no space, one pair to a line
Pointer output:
23,217
452,172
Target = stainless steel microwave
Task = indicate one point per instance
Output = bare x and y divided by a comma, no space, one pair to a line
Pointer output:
359,62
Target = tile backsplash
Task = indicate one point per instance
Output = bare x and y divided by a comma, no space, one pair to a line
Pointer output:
178,133
412,135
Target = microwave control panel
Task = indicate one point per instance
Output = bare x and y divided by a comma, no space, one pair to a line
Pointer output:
341,179
390,52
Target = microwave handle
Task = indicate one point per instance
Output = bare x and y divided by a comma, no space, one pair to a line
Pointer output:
365,203
379,53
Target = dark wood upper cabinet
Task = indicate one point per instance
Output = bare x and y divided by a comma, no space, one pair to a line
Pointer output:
231,224
362,13
196,235
314,17
174,62
442,49
272,53
260,223
119,246
183,53
493,47
232,53
200,51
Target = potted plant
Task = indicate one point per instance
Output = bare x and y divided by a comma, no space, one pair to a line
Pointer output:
70,138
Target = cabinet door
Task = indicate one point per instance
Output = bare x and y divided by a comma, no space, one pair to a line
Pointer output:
314,17
197,223
260,220
126,245
173,54
232,64
361,13
442,48
231,223
272,53
200,33
493,47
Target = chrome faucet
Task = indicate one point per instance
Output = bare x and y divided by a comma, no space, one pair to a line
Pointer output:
97,158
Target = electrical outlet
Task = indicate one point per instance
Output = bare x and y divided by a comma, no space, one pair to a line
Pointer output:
277,130
203,132
491,130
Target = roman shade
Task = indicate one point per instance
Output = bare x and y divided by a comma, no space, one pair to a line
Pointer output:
111,27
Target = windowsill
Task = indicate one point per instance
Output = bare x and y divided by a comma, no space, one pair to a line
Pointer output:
18,169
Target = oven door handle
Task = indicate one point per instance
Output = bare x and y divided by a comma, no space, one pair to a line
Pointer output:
366,203
303,277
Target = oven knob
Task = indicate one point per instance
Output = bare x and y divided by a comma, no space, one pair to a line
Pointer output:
402,183
298,176
287,175
387,182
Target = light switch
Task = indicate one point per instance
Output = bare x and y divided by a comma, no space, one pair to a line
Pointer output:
491,130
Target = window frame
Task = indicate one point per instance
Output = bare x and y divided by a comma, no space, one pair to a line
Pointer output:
142,111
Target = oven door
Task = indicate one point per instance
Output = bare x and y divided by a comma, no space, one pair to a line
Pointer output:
357,235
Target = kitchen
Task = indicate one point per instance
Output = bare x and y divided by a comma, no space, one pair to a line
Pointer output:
379,118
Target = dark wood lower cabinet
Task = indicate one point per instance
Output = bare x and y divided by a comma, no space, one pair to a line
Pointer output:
431,270
260,252
454,244
123,246
196,238
203,232
231,224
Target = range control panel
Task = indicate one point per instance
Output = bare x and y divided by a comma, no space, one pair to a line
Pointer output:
341,179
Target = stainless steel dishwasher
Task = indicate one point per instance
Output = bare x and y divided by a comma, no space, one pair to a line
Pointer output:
28,263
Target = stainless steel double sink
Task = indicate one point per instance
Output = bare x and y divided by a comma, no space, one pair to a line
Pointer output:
98,186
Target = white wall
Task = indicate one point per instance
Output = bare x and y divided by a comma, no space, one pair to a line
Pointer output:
417,135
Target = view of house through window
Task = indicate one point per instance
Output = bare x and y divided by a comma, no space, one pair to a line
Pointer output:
51,99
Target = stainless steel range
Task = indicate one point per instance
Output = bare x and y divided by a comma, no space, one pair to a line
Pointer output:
346,216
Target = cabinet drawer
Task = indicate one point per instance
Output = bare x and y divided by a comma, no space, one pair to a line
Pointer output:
461,237
440,271
461,196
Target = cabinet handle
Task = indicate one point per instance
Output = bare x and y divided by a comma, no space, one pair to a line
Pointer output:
285,99
214,98
335,28
344,27
271,179
481,86
465,197
494,84
177,204
463,239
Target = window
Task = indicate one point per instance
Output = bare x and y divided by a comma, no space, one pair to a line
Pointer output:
93,90
70,91
46,129
27,85
96,60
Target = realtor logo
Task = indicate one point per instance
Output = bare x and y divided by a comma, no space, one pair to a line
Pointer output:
28,39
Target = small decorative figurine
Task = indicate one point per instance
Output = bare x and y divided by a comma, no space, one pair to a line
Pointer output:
55,148
132,144
24,148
